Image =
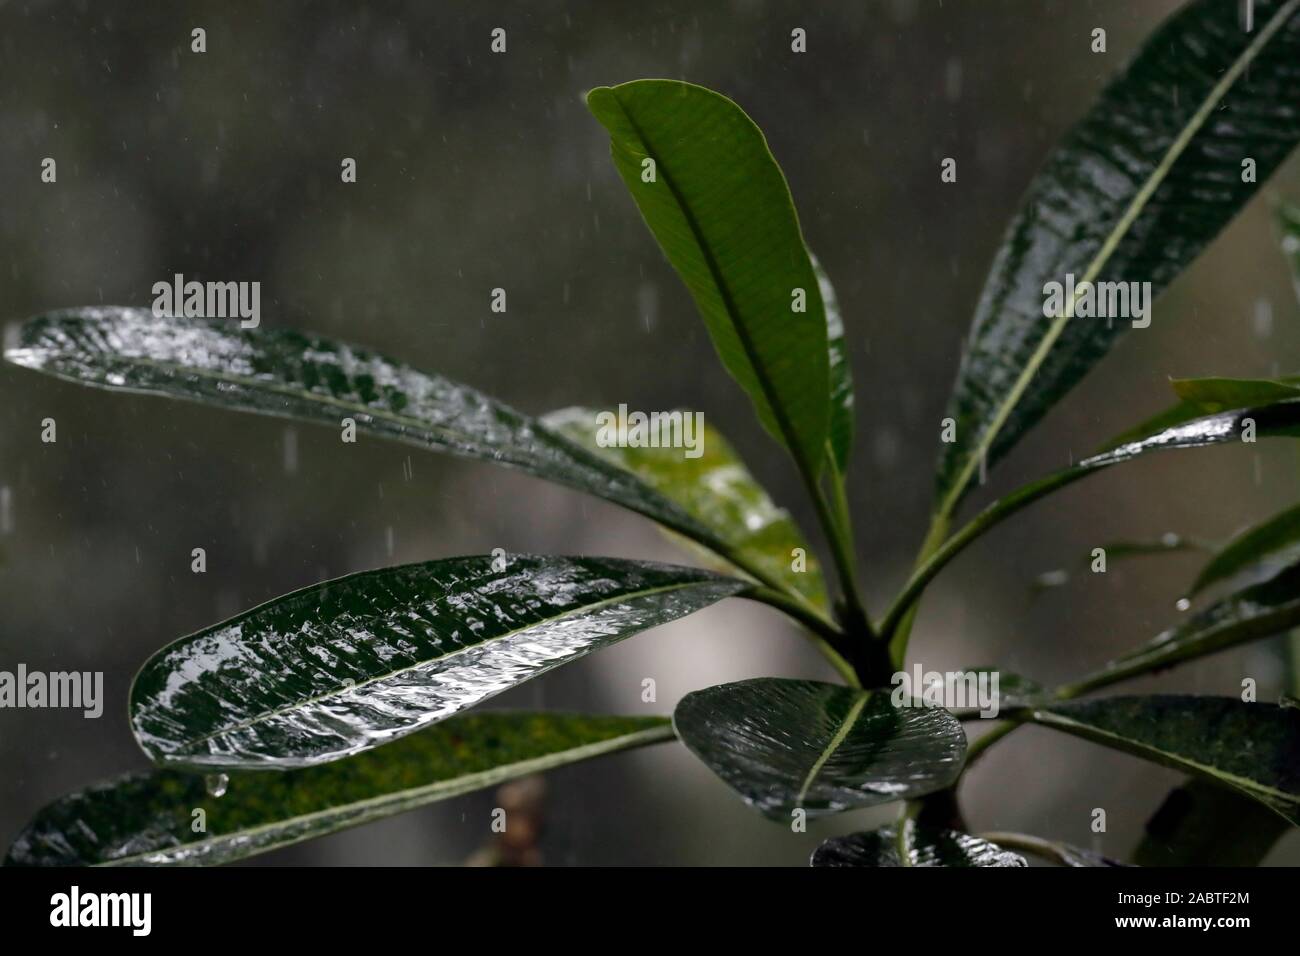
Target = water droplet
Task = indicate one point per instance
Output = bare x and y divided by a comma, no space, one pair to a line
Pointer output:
215,784
6,510
388,539
1182,604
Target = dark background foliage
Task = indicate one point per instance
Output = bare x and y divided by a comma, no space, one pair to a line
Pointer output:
477,171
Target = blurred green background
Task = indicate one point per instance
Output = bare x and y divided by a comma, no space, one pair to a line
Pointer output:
477,171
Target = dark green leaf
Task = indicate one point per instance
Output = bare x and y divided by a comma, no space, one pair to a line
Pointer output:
797,744
1253,748
149,818
1202,824
927,847
841,373
717,491
721,210
1203,396
289,374
1257,555
349,664
1133,194
1260,611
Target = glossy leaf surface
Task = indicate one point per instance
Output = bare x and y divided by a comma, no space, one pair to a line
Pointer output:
926,847
1199,397
148,818
718,492
1133,194
349,664
841,373
719,206
290,374
785,745
1253,748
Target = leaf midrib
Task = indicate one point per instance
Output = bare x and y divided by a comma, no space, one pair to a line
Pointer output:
1135,208
850,719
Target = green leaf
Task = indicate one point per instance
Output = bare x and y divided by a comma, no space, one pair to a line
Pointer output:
797,744
927,847
349,664
1252,748
1257,555
148,818
721,211
717,491
1201,824
1260,611
1204,396
1133,194
841,374
289,374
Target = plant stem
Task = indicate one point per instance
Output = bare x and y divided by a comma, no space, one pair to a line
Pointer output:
829,639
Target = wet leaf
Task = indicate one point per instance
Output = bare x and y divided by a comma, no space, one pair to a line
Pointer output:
926,847
1202,824
797,744
841,374
1199,397
289,374
718,492
719,206
1252,748
1133,194
349,664
1257,555
149,818
1260,611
